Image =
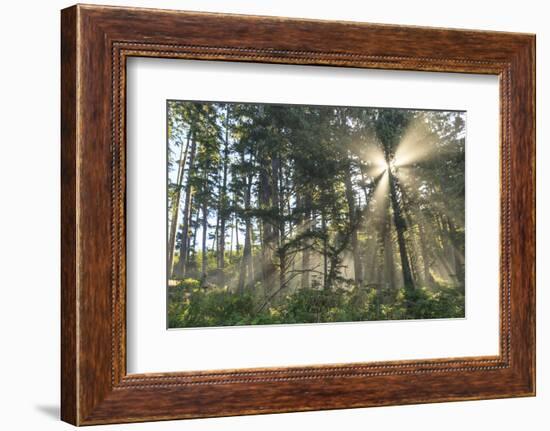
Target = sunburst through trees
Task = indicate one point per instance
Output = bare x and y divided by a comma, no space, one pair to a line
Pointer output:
309,214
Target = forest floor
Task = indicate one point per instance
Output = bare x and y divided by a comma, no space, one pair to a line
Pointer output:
189,305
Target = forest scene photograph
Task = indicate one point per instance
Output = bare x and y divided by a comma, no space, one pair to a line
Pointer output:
293,214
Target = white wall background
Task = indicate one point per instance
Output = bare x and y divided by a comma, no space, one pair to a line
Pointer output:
29,220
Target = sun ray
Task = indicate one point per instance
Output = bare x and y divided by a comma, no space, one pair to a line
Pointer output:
416,145
373,159
381,190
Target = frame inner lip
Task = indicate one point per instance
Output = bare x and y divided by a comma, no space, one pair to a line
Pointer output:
123,49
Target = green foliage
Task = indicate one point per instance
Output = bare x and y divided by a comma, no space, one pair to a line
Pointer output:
192,306
442,302
303,214
212,307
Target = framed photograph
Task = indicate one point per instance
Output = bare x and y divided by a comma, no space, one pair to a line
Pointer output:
266,215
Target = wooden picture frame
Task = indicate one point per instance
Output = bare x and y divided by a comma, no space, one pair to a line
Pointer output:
95,43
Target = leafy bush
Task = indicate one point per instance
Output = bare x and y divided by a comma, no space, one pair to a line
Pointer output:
192,306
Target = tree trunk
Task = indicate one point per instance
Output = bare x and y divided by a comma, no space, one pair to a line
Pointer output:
245,262
179,271
446,255
400,227
368,256
237,245
231,236
279,225
279,205
458,257
204,237
413,238
268,244
389,265
192,245
353,225
307,243
325,250
428,279
222,211
176,204
364,187
215,241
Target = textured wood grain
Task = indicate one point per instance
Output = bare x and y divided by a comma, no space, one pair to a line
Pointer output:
96,41
69,370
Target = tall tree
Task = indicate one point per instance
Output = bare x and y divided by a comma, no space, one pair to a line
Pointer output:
179,270
204,232
176,202
390,127
246,268
354,220
223,199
